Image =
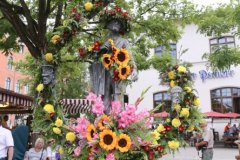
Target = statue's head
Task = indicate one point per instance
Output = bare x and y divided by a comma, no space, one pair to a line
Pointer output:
48,74
115,19
115,25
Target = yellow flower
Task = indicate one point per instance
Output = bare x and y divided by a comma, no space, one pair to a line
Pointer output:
108,139
90,48
40,87
58,122
184,112
106,60
160,128
168,120
70,136
171,75
124,143
56,130
196,102
177,107
111,42
91,130
55,39
122,57
182,69
188,89
49,108
155,135
49,57
88,6
176,122
173,144
60,150
100,123
190,128
124,71
172,83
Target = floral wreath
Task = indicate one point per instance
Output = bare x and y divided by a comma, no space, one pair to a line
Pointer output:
116,135
115,12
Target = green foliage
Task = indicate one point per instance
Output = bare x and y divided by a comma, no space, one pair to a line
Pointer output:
223,58
215,22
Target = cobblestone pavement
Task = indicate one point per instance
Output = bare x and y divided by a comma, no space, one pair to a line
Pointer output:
190,153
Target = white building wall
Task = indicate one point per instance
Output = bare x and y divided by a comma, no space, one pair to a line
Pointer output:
197,44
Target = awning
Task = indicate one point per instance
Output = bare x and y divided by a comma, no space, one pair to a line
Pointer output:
14,103
76,106
213,114
15,99
232,115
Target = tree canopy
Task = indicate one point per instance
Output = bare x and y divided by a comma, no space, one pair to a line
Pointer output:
154,23
217,22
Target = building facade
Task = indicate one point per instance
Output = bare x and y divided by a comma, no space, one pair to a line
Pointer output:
218,91
10,78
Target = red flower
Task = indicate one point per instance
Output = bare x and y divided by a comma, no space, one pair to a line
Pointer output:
112,12
116,78
99,4
118,9
115,72
74,10
125,14
81,52
77,17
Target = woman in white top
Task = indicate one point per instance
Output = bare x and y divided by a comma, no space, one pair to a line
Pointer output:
38,152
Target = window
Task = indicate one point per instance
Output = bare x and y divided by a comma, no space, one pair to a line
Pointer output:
26,89
7,83
173,49
10,62
17,87
21,49
226,100
162,97
228,41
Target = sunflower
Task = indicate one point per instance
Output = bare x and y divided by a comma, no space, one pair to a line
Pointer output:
124,71
108,139
106,60
123,143
115,51
122,57
100,123
91,130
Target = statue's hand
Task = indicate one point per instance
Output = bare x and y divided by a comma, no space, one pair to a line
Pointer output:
105,47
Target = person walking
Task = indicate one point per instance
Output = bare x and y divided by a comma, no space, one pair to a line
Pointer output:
207,142
6,143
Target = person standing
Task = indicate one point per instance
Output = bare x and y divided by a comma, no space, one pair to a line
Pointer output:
4,122
206,144
6,143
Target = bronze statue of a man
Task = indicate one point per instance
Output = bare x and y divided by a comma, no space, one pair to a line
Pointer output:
102,81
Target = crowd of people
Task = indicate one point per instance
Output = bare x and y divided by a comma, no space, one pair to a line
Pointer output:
14,144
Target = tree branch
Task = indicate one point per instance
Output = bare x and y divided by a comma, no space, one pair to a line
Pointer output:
42,24
59,15
30,21
19,27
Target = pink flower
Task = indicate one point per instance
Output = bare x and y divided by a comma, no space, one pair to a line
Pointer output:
98,108
116,108
82,126
110,156
77,151
91,97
